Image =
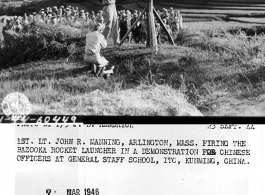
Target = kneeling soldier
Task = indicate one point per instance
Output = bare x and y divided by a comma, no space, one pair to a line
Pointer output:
94,42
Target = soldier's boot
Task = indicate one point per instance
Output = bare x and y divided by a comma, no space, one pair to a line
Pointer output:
107,73
100,71
94,68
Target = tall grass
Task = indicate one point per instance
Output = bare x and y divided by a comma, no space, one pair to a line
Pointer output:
39,42
239,45
207,67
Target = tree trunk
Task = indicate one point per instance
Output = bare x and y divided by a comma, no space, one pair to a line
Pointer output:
151,35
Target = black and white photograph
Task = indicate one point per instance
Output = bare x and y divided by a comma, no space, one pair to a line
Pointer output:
126,97
132,57
75,159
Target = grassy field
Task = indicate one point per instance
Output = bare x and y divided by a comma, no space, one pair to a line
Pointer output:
204,13
215,64
207,68
249,20
215,25
229,6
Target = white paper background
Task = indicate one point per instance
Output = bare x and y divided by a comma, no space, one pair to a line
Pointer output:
33,178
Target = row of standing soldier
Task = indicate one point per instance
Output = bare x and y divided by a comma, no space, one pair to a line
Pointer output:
53,16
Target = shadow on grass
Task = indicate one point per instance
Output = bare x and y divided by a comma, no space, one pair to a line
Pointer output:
252,76
44,72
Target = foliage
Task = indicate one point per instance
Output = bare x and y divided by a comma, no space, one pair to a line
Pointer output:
39,42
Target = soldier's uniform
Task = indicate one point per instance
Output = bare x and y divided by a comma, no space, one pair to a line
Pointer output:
143,27
82,15
17,27
163,34
87,16
1,31
158,32
175,28
180,20
136,31
111,21
123,26
94,42
54,19
99,16
92,16
171,17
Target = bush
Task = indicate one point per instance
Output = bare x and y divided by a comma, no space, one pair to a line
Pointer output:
39,42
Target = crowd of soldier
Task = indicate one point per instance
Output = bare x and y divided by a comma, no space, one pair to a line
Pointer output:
172,20
54,15
51,16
